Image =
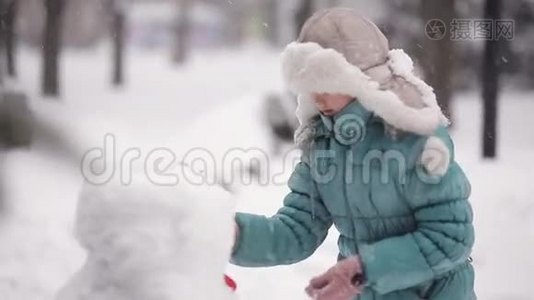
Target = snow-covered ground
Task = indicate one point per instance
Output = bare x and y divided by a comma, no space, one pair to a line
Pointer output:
213,102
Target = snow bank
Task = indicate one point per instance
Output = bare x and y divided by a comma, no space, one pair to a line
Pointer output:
147,242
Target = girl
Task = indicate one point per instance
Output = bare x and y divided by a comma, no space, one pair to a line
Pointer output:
377,163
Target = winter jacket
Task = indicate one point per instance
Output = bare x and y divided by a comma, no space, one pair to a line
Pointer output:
412,230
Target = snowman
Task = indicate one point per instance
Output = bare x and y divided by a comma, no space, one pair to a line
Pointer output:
148,242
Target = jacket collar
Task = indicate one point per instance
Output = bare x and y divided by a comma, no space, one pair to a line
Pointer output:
347,126
353,111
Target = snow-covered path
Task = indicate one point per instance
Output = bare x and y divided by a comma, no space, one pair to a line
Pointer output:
213,103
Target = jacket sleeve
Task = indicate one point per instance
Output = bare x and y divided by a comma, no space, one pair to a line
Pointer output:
289,236
442,240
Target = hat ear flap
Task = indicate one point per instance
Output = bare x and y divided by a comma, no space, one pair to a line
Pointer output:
306,111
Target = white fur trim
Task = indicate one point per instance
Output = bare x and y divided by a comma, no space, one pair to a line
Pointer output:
308,68
435,157
305,111
402,65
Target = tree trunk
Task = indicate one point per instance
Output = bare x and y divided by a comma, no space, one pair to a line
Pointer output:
52,47
9,27
438,55
333,3
2,185
118,35
182,30
3,13
324,4
3,129
1,67
303,13
270,14
235,30
2,61
490,83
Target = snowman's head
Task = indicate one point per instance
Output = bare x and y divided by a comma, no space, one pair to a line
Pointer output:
144,233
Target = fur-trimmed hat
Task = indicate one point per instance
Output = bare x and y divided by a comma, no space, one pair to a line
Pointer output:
341,52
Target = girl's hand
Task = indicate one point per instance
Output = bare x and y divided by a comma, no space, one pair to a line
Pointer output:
338,283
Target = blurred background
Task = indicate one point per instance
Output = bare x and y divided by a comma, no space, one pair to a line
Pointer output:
182,74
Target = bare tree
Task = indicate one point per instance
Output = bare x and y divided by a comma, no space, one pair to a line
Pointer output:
52,46
304,11
323,4
1,68
270,15
3,9
8,21
439,54
118,34
333,3
3,13
8,11
182,30
3,127
235,30
490,82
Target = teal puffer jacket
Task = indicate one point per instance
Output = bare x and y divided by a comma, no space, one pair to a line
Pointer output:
412,230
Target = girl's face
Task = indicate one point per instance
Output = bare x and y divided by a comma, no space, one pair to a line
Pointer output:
331,104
